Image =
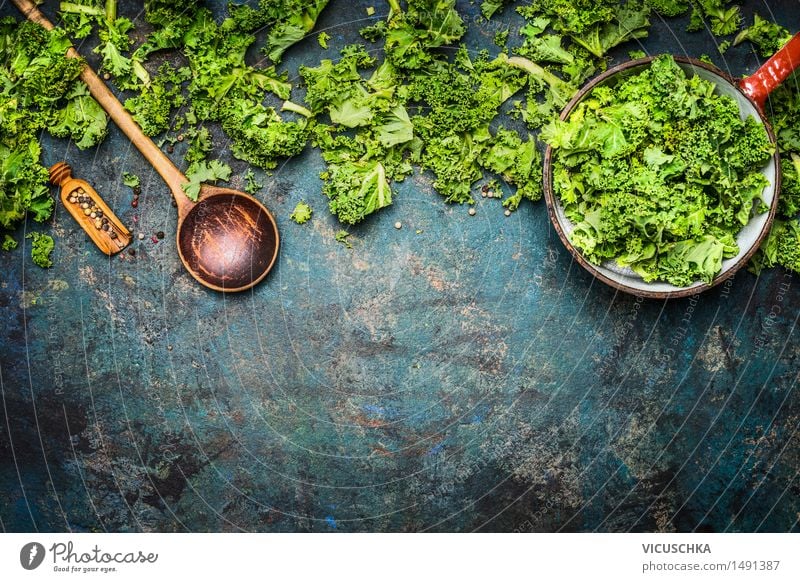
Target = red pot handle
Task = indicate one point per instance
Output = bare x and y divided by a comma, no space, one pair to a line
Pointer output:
765,80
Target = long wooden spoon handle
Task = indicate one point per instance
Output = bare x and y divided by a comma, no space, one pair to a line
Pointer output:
162,164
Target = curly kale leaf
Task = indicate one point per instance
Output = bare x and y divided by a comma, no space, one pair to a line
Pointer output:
260,136
557,92
356,189
669,7
545,48
171,12
40,90
518,162
789,201
781,247
82,119
292,27
459,101
339,90
572,16
414,33
768,37
720,18
22,183
42,246
302,213
152,108
629,23
204,171
490,7
216,55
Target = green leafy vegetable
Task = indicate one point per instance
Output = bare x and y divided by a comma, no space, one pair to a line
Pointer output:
41,247
152,108
79,17
669,7
490,7
357,189
131,180
518,162
260,136
82,119
251,184
460,102
597,25
200,144
630,22
342,237
360,168
9,243
722,19
424,25
297,18
204,171
557,92
782,247
39,89
501,37
767,36
302,213
375,32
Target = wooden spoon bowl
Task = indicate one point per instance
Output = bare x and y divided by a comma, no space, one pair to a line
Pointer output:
228,241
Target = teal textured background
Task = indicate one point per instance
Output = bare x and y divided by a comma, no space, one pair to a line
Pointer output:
459,374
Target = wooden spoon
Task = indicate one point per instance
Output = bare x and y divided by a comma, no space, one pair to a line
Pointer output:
227,240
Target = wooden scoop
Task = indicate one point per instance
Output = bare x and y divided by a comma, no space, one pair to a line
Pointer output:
227,240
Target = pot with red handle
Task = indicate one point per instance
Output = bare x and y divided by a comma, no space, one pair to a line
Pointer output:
751,95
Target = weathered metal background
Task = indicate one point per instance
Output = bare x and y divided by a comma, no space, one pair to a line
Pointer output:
458,374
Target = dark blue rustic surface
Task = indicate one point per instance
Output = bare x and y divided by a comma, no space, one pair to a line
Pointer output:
459,374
